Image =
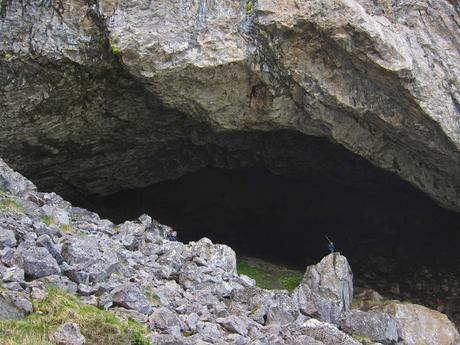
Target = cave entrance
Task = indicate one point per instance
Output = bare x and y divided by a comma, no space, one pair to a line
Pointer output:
276,195
286,219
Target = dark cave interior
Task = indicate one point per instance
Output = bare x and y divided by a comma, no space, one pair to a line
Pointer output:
284,219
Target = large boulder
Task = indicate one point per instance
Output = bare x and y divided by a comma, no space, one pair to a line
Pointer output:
165,320
14,305
204,252
38,263
326,290
69,334
131,234
7,238
13,182
323,332
419,325
375,325
131,297
91,258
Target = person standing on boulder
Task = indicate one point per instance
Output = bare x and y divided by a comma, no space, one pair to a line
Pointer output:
172,236
330,246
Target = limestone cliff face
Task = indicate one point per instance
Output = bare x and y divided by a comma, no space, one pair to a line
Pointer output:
104,95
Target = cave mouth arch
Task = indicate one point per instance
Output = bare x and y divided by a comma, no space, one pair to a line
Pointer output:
278,194
275,195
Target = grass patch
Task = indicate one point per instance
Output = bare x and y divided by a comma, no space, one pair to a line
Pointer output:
272,279
11,206
290,282
98,326
48,220
363,340
249,7
66,228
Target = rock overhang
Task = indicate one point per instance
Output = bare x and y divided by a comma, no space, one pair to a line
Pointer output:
143,81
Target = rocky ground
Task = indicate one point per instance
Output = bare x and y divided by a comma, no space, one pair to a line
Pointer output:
182,293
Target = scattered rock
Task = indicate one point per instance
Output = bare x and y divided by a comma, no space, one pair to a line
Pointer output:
420,325
164,319
46,242
326,333
13,306
7,238
235,324
38,263
91,258
326,290
377,326
131,297
69,334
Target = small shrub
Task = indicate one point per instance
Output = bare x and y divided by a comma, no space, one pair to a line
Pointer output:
263,33
249,7
6,56
115,50
48,220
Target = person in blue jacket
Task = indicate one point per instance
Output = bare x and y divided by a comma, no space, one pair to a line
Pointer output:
172,236
330,245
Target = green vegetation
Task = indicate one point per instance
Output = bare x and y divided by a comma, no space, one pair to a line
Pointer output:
115,50
48,220
6,56
363,340
66,228
263,33
249,7
98,326
271,279
11,206
151,297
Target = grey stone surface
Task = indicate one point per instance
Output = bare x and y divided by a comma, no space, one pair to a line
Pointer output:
379,78
7,238
131,297
38,263
69,334
377,326
46,242
91,258
420,325
235,324
13,305
326,333
165,319
326,290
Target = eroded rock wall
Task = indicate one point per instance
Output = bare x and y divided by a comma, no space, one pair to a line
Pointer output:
94,93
